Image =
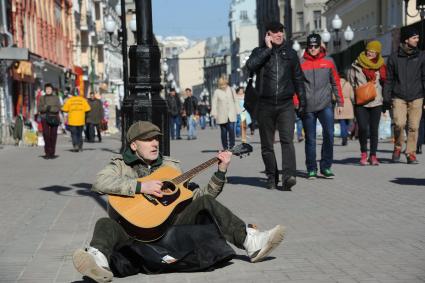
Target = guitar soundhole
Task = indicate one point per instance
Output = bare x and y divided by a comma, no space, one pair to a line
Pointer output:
170,193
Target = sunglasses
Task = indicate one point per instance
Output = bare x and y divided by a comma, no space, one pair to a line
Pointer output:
315,46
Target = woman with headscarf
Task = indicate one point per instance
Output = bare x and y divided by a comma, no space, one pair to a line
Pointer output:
369,66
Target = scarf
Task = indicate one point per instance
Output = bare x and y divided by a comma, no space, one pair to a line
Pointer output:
369,67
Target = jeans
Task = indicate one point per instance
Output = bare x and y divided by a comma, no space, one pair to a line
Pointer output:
175,123
77,136
238,126
343,124
202,121
191,124
299,124
280,117
326,119
368,120
91,132
227,135
108,233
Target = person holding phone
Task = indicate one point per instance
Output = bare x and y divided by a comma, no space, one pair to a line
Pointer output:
279,76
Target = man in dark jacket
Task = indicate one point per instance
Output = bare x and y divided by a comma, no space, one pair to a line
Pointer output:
190,111
404,92
174,107
278,68
94,117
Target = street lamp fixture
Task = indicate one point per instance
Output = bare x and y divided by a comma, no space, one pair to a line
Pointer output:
348,34
110,28
133,25
296,46
336,26
118,9
326,36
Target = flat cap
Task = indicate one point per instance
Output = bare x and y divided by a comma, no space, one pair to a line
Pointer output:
274,26
142,130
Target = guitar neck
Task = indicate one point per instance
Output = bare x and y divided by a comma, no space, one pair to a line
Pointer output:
195,171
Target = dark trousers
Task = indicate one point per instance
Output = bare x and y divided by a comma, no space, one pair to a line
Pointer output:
175,124
421,132
281,118
50,134
77,136
344,125
91,132
326,119
227,135
108,233
368,120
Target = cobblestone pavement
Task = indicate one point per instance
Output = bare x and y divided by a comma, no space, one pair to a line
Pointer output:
366,225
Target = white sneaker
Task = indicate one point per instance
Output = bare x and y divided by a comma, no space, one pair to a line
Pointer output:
93,264
258,244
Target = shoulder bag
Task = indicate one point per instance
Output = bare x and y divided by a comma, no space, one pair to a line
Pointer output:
365,93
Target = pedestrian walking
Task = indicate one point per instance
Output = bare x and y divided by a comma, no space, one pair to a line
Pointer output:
347,113
369,67
322,85
174,109
76,107
190,111
279,76
203,109
243,117
404,92
225,108
94,118
49,107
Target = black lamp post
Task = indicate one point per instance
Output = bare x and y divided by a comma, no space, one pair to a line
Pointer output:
144,101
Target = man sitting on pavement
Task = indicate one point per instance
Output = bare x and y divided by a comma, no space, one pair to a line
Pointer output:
140,159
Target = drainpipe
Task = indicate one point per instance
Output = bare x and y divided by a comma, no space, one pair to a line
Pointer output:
4,91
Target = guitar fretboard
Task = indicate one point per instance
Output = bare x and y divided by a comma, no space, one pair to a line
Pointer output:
194,171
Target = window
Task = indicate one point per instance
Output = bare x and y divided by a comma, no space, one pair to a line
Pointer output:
317,18
300,21
243,15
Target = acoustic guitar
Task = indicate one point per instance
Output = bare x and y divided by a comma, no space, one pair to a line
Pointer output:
146,217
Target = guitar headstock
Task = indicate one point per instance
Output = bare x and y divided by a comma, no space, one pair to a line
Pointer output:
241,149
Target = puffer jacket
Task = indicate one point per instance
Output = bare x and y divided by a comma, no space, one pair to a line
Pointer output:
405,76
281,73
321,82
120,176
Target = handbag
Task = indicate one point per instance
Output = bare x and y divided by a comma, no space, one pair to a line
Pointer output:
251,98
365,93
52,119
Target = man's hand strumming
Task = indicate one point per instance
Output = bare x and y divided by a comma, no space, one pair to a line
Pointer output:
152,188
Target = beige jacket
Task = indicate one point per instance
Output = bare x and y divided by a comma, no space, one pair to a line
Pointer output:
356,78
224,106
347,110
118,178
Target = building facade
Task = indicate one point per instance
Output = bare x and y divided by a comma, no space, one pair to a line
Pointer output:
191,68
243,36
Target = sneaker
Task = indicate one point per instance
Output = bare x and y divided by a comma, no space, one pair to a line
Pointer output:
289,183
396,155
327,173
411,158
311,175
93,264
373,160
363,159
258,244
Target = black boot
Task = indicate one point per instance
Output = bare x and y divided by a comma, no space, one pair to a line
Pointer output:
271,183
289,183
344,141
419,149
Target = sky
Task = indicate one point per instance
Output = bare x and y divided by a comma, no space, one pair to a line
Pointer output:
195,19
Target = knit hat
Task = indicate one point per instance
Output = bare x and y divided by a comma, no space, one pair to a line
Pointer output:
407,33
142,130
374,45
314,38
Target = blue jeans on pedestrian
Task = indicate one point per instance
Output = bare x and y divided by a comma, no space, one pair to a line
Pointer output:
228,135
326,119
299,124
77,136
238,126
202,121
175,126
343,124
191,125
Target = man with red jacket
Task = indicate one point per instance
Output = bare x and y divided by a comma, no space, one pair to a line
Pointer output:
321,85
